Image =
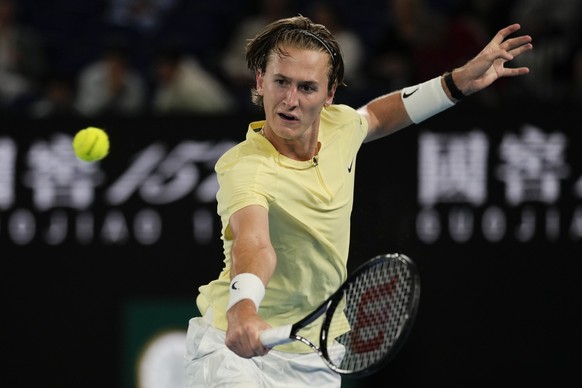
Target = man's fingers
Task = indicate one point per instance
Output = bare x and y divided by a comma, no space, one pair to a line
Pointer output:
512,72
505,32
515,51
514,43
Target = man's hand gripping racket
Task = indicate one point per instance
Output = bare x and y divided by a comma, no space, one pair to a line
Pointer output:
370,315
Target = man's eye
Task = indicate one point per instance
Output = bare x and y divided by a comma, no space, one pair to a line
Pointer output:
308,88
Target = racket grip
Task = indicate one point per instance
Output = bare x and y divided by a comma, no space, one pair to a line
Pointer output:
276,336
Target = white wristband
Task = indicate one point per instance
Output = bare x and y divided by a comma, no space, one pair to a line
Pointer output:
246,286
425,100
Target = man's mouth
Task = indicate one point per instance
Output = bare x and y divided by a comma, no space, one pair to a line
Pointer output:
287,117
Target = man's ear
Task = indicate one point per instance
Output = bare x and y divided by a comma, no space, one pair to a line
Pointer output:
259,81
330,96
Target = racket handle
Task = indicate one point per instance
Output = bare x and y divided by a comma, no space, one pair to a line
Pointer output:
276,336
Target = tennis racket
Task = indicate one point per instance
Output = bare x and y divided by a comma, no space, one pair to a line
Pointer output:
370,314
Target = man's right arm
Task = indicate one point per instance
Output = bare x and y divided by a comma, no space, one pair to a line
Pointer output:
252,253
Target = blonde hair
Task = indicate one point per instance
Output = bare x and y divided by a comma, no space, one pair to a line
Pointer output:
300,32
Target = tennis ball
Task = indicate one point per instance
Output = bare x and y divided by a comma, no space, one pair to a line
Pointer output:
91,144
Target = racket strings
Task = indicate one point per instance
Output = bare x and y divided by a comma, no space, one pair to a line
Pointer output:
375,309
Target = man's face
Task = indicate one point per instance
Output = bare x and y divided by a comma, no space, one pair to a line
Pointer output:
295,89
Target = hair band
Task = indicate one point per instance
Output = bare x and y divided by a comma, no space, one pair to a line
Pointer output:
327,47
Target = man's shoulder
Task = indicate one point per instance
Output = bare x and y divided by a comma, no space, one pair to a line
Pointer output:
339,109
339,113
247,152
340,116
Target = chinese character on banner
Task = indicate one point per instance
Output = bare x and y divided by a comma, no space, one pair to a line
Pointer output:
452,168
8,151
57,178
533,165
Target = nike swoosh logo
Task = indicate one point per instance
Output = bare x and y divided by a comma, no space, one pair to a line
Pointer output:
350,166
406,95
234,285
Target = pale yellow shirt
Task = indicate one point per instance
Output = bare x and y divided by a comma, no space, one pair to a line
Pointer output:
309,204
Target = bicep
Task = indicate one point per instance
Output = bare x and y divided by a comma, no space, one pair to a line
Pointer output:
251,249
385,115
250,222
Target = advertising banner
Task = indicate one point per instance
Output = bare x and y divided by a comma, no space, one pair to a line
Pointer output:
487,202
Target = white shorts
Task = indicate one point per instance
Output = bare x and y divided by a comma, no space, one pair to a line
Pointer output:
209,363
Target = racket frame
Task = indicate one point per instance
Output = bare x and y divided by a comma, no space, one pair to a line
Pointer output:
404,329
288,333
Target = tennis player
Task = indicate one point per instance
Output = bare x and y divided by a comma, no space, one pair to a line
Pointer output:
286,194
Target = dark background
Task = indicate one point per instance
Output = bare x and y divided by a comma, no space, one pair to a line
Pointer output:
489,310
79,313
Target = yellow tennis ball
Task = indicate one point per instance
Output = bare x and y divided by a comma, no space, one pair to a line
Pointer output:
91,144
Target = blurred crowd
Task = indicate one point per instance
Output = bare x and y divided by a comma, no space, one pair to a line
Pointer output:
180,57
